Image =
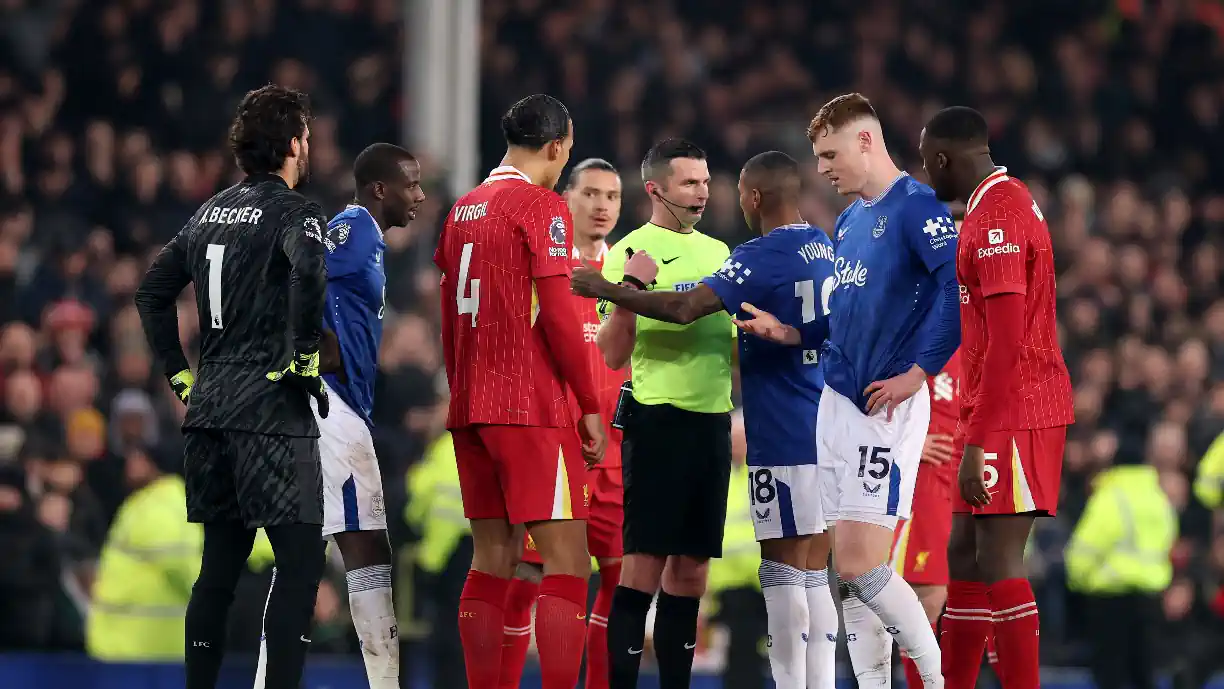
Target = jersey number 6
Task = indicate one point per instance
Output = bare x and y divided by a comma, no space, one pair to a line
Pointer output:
467,304
215,255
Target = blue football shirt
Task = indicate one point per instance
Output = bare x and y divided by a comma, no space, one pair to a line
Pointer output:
789,273
356,297
888,250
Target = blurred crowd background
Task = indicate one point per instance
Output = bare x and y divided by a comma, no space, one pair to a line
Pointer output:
113,116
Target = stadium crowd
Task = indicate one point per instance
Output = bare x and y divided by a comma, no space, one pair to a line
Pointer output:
112,130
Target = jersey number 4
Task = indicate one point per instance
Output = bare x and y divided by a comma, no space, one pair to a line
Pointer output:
806,291
467,304
215,256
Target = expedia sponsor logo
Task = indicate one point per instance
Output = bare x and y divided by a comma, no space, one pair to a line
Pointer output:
987,252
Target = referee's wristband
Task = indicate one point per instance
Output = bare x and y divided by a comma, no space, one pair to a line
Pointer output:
633,282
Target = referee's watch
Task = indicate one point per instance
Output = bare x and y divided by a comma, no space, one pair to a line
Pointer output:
631,281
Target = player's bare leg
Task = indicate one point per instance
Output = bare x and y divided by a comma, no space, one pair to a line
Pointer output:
967,621
783,584
823,624
560,618
1000,558
367,564
639,580
861,554
497,546
597,623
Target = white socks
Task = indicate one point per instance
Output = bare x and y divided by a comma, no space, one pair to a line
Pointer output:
787,607
261,669
373,611
901,615
870,646
822,631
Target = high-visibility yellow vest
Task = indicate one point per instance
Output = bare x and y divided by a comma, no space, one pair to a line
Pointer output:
741,556
1121,544
1209,480
435,504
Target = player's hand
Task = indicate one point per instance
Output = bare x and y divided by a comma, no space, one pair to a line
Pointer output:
937,449
303,373
182,383
587,281
971,477
888,394
594,440
766,326
641,266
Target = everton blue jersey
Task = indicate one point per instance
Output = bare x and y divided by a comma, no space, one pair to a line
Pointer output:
789,273
888,251
356,292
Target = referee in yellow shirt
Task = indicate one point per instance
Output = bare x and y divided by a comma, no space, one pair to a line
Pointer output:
676,451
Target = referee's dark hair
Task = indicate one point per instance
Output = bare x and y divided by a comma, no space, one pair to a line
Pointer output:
959,124
535,121
656,166
267,121
775,175
588,164
379,162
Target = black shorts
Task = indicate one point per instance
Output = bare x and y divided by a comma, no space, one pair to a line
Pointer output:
254,478
677,465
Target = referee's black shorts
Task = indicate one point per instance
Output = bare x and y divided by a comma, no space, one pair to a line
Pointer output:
677,465
253,478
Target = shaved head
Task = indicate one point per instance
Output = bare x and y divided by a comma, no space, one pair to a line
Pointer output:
769,185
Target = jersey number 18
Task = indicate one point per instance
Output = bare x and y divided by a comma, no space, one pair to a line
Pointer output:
806,290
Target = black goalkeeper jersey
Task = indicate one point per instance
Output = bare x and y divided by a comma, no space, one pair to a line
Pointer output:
255,255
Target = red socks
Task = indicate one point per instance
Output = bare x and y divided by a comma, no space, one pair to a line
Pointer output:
560,629
966,625
1017,633
480,627
520,597
912,678
597,628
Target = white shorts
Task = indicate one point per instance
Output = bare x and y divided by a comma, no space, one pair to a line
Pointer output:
785,501
352,483
868,465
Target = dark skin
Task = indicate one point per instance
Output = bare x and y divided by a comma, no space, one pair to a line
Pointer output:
988,548
393,203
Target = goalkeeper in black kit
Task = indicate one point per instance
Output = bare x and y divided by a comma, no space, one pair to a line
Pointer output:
255,255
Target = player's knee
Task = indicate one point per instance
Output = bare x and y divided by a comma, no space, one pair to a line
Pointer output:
792,552
932,599
642,572
529,571
861,546
962,550
685,576
364,548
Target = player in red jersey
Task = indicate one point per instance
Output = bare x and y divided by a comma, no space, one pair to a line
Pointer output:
1017,401
593,194
512,341
920,544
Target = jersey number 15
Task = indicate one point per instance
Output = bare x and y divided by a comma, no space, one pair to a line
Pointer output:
467,304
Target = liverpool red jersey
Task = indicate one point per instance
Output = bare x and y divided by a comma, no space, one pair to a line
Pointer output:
1005,247
497,241
945,388
607,381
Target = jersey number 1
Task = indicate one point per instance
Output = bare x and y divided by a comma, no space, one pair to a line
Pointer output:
215,256
467,304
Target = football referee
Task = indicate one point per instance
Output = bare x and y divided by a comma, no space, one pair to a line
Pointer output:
251,451
676,452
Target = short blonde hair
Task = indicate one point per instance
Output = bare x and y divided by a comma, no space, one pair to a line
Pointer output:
839,112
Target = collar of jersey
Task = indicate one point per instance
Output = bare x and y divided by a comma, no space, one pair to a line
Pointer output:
992,179
792,226
367,210
504,172
880,197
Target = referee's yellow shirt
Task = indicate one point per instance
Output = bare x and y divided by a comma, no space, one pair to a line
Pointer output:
686,366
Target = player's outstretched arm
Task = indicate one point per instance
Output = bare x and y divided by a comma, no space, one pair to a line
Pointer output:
156,302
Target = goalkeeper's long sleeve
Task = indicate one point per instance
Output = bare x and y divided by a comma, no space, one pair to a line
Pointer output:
156,301
302,242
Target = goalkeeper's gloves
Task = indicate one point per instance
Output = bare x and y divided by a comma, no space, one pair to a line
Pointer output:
303,372
181,383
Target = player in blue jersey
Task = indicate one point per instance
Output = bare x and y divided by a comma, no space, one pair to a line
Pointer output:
789,271
388,183
894,320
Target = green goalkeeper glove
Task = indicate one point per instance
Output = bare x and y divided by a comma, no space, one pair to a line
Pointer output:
303,373
181,383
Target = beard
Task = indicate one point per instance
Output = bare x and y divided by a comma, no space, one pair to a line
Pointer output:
303,170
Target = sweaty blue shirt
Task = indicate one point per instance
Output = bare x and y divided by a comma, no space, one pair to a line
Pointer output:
356,293
895,276
789,273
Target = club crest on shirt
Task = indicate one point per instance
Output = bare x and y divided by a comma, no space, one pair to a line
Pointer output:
880,226
336,235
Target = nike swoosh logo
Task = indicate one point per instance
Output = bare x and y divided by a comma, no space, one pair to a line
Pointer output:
690,647
633,652
669,260
303,637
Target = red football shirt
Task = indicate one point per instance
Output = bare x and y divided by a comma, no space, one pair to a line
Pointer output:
607,381
1005,247
497,240
945,410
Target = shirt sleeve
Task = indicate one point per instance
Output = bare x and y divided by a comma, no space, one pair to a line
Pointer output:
547,224
302,242
156,303
930,231
613,271
746,276
1001,252
348,243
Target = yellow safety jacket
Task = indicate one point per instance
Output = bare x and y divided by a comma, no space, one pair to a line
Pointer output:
741,556
1209,481
435,505
1121,544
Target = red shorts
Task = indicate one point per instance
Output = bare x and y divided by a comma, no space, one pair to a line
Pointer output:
1023,472
920,543
605,537
520,473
